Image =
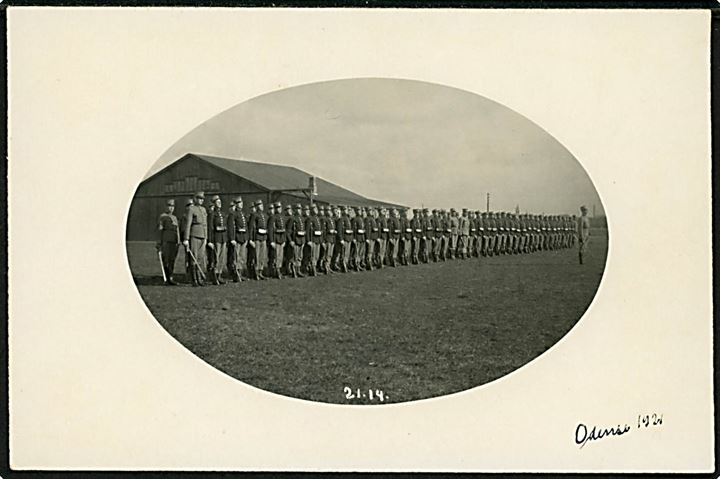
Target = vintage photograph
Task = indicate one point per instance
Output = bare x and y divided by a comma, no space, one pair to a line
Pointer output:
367,241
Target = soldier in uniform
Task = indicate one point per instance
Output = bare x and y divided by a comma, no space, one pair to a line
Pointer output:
238,235
345,238
416,224
583,233
394,245
371,235
195,237
358,243
276,240
217,241
168,240
428,234
464,234
257,231
298,236
383,237
405,239
329,237
454,233
183,220
314,229
446,230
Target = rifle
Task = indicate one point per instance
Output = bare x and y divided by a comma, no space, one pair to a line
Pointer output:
196,263
162,266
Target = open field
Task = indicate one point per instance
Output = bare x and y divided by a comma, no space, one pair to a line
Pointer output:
413,332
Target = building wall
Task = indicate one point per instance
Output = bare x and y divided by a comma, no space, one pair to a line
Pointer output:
180,182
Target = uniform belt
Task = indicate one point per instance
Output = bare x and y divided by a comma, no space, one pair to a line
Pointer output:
473,229
447,231
361,232
430,229
279,231
418,230
374,229
332,232
262,231
301,233
241,230
349,232
396,231
385,230
317,233
220,228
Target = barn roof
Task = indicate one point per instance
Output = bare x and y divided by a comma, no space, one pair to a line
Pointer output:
281,177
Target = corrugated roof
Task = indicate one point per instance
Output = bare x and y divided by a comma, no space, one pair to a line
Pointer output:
281,177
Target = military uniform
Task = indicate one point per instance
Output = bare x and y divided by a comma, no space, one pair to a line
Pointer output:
358,243
217,241
329,229
276,241
371,235
464,234
345,238
168,241
383,238
416,225
395,230
195,235
257,230
428,235
238,236
314,229
297,241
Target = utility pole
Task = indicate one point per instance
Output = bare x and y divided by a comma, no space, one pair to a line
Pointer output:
488,203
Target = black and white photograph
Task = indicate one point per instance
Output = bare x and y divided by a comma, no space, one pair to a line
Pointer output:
367,241
425,240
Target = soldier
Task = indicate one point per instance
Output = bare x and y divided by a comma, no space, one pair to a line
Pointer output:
296,226
446,232
464,234
329,237
383,237
183,219
428,234
237,225
358,243
257,230
395,230
345,238
168,241
195,237
371,235
472,237
583,233
454,233
314,229
416,224
276,239
405,244
217,241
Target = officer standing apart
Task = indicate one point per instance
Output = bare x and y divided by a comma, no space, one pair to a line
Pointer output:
196,237
168,241
583,232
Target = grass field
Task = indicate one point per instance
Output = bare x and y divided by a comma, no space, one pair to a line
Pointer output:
412,332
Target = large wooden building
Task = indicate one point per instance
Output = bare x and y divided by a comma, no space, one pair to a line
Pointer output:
228,178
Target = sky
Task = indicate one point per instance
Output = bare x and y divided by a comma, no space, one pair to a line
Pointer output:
401,141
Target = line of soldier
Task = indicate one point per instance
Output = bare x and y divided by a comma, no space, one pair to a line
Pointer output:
293,240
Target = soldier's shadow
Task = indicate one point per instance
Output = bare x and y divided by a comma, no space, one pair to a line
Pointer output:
154,280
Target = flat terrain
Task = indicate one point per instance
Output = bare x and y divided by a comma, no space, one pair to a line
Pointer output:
413,332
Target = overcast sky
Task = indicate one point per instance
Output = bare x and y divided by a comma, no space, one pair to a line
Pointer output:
401,141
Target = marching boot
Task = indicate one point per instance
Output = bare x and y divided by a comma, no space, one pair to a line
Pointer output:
219,278
171,282
580,257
